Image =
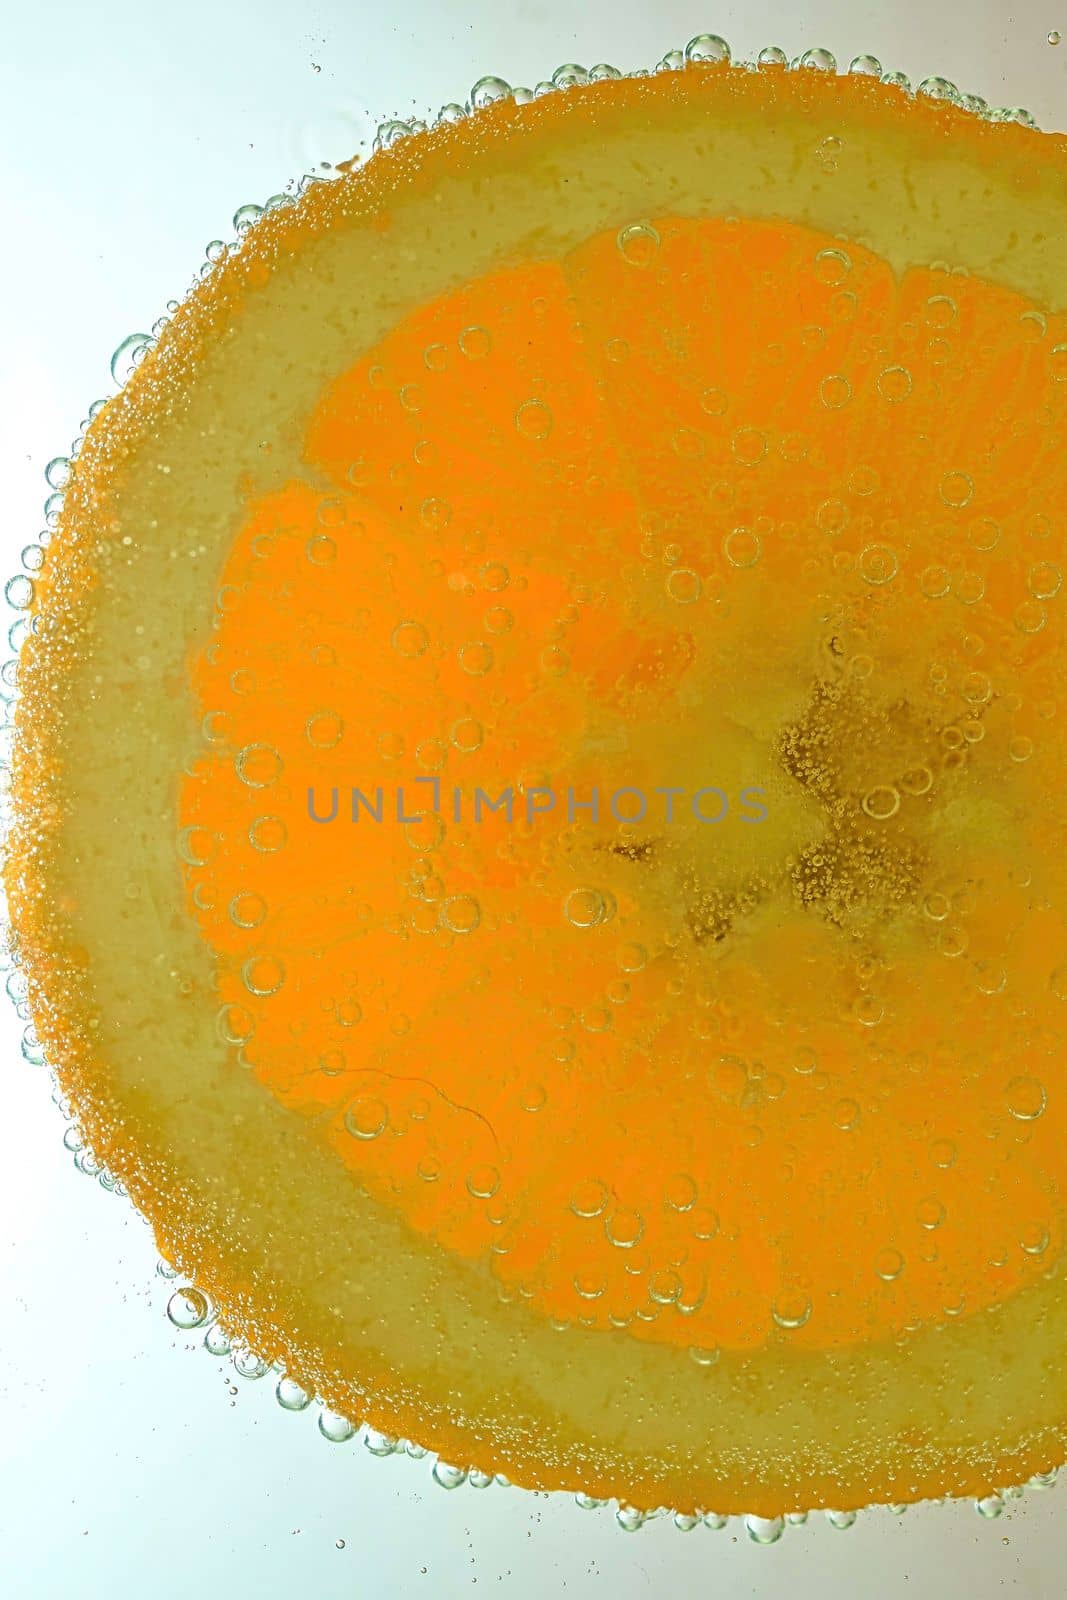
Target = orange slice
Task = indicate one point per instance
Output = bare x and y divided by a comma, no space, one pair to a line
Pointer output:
537,846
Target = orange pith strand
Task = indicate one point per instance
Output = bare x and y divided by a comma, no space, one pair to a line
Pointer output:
765,1087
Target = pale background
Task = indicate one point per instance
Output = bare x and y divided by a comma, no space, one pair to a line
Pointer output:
130,131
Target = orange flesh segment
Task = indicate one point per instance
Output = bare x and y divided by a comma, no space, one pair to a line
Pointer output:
620,512
939,927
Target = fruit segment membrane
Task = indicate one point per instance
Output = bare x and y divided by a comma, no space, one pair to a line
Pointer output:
676,466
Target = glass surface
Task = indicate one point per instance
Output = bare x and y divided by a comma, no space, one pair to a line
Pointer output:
131,1459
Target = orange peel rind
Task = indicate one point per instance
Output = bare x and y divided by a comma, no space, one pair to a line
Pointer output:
691,442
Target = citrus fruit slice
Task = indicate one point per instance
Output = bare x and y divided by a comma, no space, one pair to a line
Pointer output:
537,851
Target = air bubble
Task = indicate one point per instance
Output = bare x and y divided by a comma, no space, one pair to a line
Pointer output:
939,89
741,547
389,134
188,1308
868,1010
290,1396
969,588
590,1199
943,1153
764,1530
881,802
475,342
460,913
791,1310
832,267
268,834
894,383
957,490
320,550
263,975
569,76
878,564
488,91
409,639
638,244
846,1115
196,846
865,67
335,1427
835,391
684,586
367,1117
258,765
708,49
704,1355
1044,580
19,592
889,1264
324,730
380,1444
533,419
585,908
624,1228
665,1288
244,217
832,516
476,658
633,957
827,151
1026,1098
467,735
935,582
217,1341
247,909
1029,616
248,1365
130,354
818,60
929,1214
772,56
916,781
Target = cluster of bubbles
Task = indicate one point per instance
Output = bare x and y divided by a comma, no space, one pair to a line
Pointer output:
703,50
189,1309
